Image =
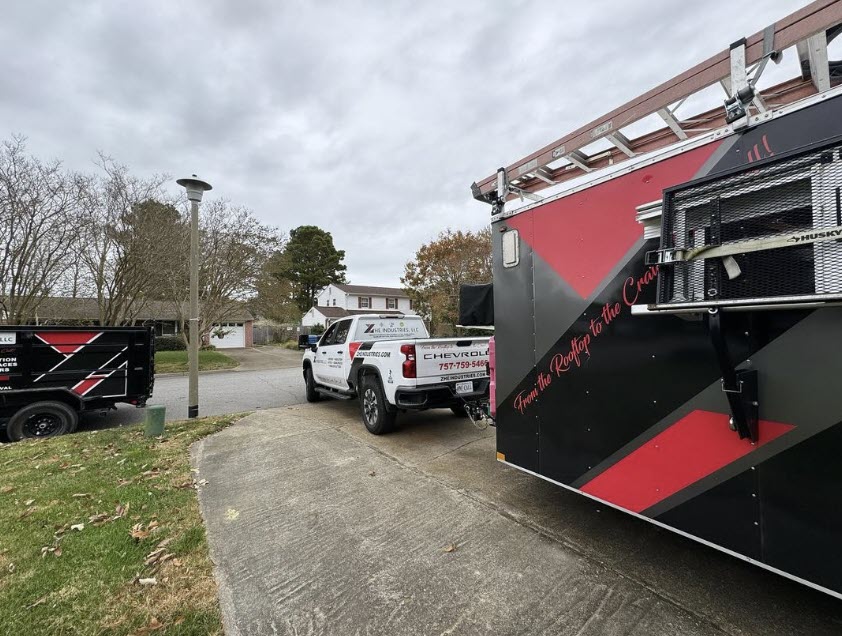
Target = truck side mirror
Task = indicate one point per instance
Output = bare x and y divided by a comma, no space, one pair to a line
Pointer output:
314,347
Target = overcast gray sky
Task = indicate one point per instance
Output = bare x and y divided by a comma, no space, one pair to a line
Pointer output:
370,120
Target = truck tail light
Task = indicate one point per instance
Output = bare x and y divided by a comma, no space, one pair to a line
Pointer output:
409,370
352,349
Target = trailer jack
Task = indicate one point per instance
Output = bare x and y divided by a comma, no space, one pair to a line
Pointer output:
739,386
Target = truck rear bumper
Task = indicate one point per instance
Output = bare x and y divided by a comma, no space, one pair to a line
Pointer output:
434,396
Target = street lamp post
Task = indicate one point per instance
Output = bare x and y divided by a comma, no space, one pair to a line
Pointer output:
195,188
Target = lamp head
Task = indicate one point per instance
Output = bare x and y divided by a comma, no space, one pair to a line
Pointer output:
195,187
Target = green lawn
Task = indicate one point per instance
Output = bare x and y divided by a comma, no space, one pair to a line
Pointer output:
100,533
176,361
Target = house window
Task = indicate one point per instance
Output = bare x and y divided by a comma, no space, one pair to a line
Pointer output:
391,303
364,303
334,302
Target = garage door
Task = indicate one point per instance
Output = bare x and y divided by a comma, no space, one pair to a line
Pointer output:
228,335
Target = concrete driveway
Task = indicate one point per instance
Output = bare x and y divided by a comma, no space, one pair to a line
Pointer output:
265,357
317,527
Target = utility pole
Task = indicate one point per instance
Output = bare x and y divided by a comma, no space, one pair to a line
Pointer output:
195,188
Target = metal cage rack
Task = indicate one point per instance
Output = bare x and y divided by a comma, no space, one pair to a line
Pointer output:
769,234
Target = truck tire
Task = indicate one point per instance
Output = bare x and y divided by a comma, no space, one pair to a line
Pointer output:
378,415
42,419
310,386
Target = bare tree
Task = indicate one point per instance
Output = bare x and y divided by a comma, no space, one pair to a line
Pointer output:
38,228
128,235
234,247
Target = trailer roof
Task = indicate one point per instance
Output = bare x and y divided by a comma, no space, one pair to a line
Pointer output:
807,28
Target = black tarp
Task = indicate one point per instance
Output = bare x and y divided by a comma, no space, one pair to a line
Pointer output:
476,305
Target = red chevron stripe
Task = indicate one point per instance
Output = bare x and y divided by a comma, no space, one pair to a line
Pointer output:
694,447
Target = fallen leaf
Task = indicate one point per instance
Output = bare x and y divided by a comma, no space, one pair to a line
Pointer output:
99,519
57,552
41,600
78,526
7,489
28,502
79,495
202,482
121,511
450,548
178,621
177,563
232,514
152,525
185,484
165,542
122,461
138,533
27,512
149,581
372,473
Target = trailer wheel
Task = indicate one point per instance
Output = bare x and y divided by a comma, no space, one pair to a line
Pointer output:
310,386
40,420
378,415
459,411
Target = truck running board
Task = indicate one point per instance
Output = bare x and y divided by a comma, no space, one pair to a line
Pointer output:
335,393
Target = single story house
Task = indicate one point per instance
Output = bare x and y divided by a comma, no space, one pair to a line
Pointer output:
339,300
236,330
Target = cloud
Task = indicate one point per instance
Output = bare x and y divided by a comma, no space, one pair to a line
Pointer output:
368,119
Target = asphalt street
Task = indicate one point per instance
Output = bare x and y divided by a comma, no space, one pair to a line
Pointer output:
220,392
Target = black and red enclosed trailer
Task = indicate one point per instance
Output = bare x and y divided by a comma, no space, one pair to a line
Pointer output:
49,375
668,328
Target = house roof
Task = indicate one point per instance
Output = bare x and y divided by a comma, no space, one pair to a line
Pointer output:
367,290
338,312
64,308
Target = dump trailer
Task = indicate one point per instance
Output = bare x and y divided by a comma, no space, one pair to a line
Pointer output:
50,375
668,311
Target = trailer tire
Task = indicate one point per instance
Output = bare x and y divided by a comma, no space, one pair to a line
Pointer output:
459,411
378,416
310,386
40,420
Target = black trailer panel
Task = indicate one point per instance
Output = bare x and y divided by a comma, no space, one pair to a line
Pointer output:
85,367
628,407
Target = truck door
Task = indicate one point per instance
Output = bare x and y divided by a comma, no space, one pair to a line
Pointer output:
320,365
331,356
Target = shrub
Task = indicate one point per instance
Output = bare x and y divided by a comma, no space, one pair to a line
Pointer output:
170,343
207,347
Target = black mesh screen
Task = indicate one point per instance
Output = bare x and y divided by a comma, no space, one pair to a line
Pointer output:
795,195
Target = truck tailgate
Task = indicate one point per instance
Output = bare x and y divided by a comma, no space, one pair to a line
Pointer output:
451,359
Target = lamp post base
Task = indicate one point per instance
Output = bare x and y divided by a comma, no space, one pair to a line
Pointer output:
193,411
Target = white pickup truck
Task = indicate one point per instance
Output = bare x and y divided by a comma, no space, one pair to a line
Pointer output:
393,365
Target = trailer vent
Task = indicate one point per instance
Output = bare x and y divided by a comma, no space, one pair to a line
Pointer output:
511,248
767,234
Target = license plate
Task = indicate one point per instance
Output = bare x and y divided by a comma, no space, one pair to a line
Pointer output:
465,387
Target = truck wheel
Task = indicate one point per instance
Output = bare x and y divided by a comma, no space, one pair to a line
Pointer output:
310,386
42,419
378,415
459,411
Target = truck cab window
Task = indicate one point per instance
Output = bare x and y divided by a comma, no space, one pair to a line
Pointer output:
341,334
327,338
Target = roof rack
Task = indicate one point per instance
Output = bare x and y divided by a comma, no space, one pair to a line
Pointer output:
736,69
